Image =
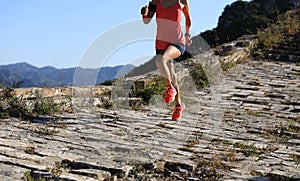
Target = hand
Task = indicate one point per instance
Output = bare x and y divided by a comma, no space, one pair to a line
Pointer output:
188,41
145,10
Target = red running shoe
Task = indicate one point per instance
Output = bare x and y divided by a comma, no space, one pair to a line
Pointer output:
177,112
170,93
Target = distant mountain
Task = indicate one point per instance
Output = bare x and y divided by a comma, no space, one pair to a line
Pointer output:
143,69
31,76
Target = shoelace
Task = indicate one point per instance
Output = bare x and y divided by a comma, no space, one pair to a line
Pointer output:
177,110
168,88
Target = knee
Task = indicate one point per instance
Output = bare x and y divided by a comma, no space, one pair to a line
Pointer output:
165,58
161,59
158,60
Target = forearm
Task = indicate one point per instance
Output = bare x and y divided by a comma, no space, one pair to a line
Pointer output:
188,25
186,12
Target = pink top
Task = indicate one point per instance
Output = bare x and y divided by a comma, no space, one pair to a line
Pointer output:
168,25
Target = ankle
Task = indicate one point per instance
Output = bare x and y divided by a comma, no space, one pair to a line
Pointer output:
178,102
169,85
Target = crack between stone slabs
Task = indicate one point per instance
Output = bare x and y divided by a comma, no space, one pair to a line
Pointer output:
21,165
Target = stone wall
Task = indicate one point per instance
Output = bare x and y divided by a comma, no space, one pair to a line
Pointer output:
288,51
68,97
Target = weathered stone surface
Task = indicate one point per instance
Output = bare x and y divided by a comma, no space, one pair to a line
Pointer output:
250,132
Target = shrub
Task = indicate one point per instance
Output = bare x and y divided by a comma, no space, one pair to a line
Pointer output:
45,106
11,106
12,84
146,91
282,30
199,76
105,99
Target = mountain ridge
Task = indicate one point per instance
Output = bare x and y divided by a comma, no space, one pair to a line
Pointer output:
26,75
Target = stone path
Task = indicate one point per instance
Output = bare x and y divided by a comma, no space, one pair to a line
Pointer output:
254,137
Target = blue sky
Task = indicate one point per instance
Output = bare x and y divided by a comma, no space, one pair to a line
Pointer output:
59,32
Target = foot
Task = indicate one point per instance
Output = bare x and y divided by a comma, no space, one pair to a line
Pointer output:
177,112
170,94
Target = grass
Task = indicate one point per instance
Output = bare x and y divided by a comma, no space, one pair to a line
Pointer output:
256,173
28,176
211,167
29,150
189,146
282,133
247,150
57,169
227,66
295,158
252,150
293,128
232,157
45,130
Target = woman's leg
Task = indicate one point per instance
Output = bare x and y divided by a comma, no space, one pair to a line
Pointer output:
166,69
161,62
174,82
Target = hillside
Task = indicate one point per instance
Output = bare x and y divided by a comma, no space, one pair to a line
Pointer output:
241,18
26,75
238,19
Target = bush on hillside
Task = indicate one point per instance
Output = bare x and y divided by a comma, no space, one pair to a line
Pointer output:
282,30
241,18
13,106
149,89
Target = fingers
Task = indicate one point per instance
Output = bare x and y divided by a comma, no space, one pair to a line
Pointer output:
188,41
144,10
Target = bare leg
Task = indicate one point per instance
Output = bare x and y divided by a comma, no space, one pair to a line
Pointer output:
174,82
161,64
166,68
